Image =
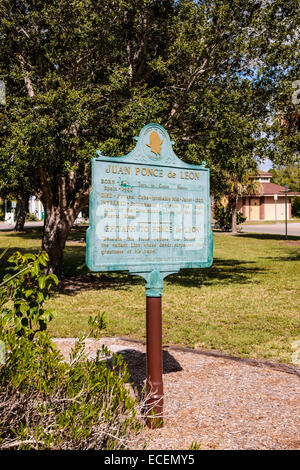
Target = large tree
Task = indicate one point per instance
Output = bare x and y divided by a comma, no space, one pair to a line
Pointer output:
71,69
15,181
289,175
87,74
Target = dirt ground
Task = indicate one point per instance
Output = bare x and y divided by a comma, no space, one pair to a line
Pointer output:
214,400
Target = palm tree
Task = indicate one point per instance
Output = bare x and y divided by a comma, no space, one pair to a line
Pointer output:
237,186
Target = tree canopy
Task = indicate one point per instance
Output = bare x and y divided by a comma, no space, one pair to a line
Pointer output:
82,75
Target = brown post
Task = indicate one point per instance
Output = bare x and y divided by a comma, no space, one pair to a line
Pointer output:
154,386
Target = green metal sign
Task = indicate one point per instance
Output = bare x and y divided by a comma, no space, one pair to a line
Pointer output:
149,212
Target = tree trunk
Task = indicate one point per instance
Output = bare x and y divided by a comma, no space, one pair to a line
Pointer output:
234,215
57,226
61,208
21,210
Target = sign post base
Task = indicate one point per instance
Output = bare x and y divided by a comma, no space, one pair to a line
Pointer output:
154,386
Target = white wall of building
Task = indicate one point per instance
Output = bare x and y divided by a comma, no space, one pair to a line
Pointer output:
35,207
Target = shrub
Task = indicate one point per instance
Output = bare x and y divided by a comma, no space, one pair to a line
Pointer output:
48,403
296,206
45,401
28,288
224,217
31,217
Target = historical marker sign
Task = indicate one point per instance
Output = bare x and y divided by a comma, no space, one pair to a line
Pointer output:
150,215
149,210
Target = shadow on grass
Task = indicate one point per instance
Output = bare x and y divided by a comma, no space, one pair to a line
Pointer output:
222,272
291,257
5,265
98,281
74,255
292,242
267,236
27,234
137,365
78,232
77,276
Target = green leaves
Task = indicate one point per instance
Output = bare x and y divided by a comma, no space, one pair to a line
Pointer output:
82,74
28,289
289,175
97,324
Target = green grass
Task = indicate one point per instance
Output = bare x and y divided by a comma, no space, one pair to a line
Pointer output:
247,303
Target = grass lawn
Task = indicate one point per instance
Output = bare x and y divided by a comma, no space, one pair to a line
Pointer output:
247,303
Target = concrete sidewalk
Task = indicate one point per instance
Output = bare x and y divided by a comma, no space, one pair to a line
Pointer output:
273,229
293,229
10,227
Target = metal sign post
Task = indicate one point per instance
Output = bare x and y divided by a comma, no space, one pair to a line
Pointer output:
150,214
154,385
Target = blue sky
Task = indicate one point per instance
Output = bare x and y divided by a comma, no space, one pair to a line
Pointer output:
266,165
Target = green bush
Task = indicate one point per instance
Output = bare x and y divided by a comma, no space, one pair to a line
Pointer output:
47,402
28,288
296,206
31,217
223,217
85,212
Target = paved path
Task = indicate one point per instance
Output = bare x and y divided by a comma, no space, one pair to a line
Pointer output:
293,229
9,227
275,229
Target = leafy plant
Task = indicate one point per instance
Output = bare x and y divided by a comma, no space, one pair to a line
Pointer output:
96,324
31,217
214,73
195,446
47,402
28,288
289,175
224,217
296,206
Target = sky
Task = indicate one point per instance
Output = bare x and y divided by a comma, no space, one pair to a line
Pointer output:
266,165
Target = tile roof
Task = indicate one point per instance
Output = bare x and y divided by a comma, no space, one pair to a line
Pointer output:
269,189
264,173
272,188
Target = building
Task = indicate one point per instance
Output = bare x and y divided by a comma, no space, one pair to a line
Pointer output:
269,204
35,207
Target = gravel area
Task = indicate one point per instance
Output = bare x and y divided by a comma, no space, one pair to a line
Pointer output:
218,402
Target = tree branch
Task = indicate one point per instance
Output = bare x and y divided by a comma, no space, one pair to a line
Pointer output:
27,80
